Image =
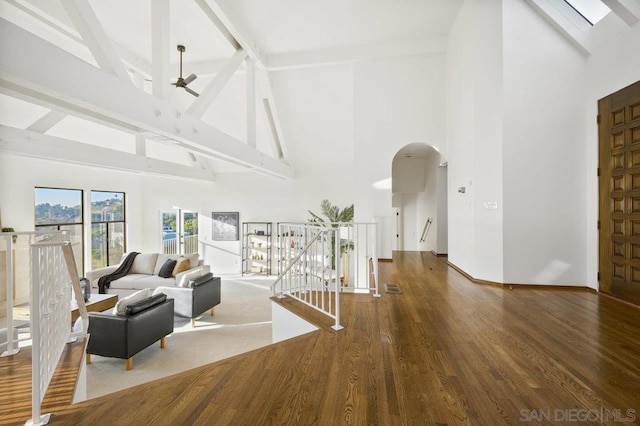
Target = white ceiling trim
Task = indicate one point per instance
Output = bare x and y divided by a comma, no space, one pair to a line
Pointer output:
223,27
47,121
566,21
251,101
236,36
94,37
269,102
32,144
627,10
350,54
160,63
46,19
72,83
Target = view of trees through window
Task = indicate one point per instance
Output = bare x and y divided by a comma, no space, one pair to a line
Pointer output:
107,228
171,232
61,210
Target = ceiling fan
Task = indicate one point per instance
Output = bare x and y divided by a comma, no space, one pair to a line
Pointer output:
183,82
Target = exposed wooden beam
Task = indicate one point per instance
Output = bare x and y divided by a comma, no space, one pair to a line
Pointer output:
277,146
218,16
220,25
160,32
45,19
93,35
209,94
47,121
251,102
232,32
141,145
627,10
71,83
280,146
32,144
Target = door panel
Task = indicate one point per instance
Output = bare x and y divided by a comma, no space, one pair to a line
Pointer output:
619,210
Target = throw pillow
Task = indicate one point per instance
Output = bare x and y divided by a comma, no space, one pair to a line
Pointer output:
194,258
182,265
144,304
122,304
161,259
167,268
188,276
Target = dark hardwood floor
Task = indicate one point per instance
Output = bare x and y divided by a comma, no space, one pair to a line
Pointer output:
444,351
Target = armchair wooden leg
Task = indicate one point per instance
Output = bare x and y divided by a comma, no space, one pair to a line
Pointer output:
213,311
129,364
163,343
193,323
88,358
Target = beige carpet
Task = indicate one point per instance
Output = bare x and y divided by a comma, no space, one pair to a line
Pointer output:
242,322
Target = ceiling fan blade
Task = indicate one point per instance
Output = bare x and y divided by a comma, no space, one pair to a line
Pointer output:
191,91
190,79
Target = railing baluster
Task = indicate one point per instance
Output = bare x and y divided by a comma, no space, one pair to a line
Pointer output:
311,263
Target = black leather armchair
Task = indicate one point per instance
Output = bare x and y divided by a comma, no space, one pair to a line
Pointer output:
202,294
123,336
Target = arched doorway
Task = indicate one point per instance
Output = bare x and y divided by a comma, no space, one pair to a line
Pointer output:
419,199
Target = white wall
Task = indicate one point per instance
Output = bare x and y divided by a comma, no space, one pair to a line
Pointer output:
613,65
544,152
442,246
396,102
474,135
316,108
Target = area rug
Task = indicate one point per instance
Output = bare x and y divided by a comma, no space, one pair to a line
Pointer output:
242,322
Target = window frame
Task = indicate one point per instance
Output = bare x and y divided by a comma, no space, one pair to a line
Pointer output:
81,224
107,222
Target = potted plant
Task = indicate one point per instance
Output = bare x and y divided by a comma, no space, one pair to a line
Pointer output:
13,237
335,216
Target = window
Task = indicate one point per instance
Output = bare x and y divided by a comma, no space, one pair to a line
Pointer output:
107,228
179,232
591,10
59,209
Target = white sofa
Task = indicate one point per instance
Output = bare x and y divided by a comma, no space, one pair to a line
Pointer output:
144,273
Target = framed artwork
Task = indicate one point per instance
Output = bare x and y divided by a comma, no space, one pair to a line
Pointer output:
226,226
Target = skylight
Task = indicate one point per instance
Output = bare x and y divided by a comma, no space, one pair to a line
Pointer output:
591,10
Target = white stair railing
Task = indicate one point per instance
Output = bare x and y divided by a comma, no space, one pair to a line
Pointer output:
53,277
308,275
53,269
357,255
318,262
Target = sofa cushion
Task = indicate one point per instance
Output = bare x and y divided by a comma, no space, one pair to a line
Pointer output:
182,265
201,280
122,304
167,268
190,275
144,263
144,304
153,281
129,282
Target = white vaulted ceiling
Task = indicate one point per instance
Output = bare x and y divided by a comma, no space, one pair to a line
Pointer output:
276,33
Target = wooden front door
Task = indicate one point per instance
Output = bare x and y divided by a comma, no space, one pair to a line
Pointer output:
619,171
